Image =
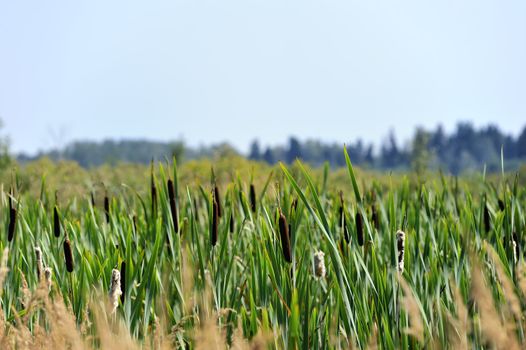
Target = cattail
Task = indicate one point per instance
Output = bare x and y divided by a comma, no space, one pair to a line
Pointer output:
374,217
12,224
294,204
319,264
400,245
107,207
123,280
231,222
68,255
359,228
486,218
516,247
56,222
47,276
343,224
501,205
92,199
40,264
134,222
252,198
285,240
173,206
115,289
153,191
217,198
215,219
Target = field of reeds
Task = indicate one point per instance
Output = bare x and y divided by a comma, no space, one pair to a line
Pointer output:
290,262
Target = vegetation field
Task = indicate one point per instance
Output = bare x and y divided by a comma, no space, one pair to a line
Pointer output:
231,254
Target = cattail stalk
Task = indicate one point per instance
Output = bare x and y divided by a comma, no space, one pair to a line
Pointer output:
123,280
68,255
115,289
173,206
400,245
217,198
285,239
215,222
56,222
359,228
252,198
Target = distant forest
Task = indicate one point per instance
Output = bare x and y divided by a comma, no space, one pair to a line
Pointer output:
466,149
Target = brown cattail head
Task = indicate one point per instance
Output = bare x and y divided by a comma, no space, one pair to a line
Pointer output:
115,289
107,207
68,255
231,222
215,222
252,198
12,224
123,280
56,222
92,199
153,191
285,239
359,228
400,247
319,264
486,218
173,205
217,198
374,217
501,204
40,264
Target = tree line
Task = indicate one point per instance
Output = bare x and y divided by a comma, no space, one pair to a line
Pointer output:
466,148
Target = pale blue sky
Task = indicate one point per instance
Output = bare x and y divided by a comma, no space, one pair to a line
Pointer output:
230,70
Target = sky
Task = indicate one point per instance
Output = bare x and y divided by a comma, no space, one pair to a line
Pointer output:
237,70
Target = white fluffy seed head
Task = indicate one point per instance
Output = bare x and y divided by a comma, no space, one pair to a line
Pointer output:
115,289
400,247
319,264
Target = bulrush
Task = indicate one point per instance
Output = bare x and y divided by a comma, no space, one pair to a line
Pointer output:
359,228
231,222
153,191
92,199
68,255
374,216
319,264
285,240
516,247
215,222
217,198
486,218
343,224
40,264
173,206
252,198
501,205
107,207
400,246
12,224
123,280
115,289
56,222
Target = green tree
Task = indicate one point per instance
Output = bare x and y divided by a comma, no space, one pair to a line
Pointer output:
420,154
